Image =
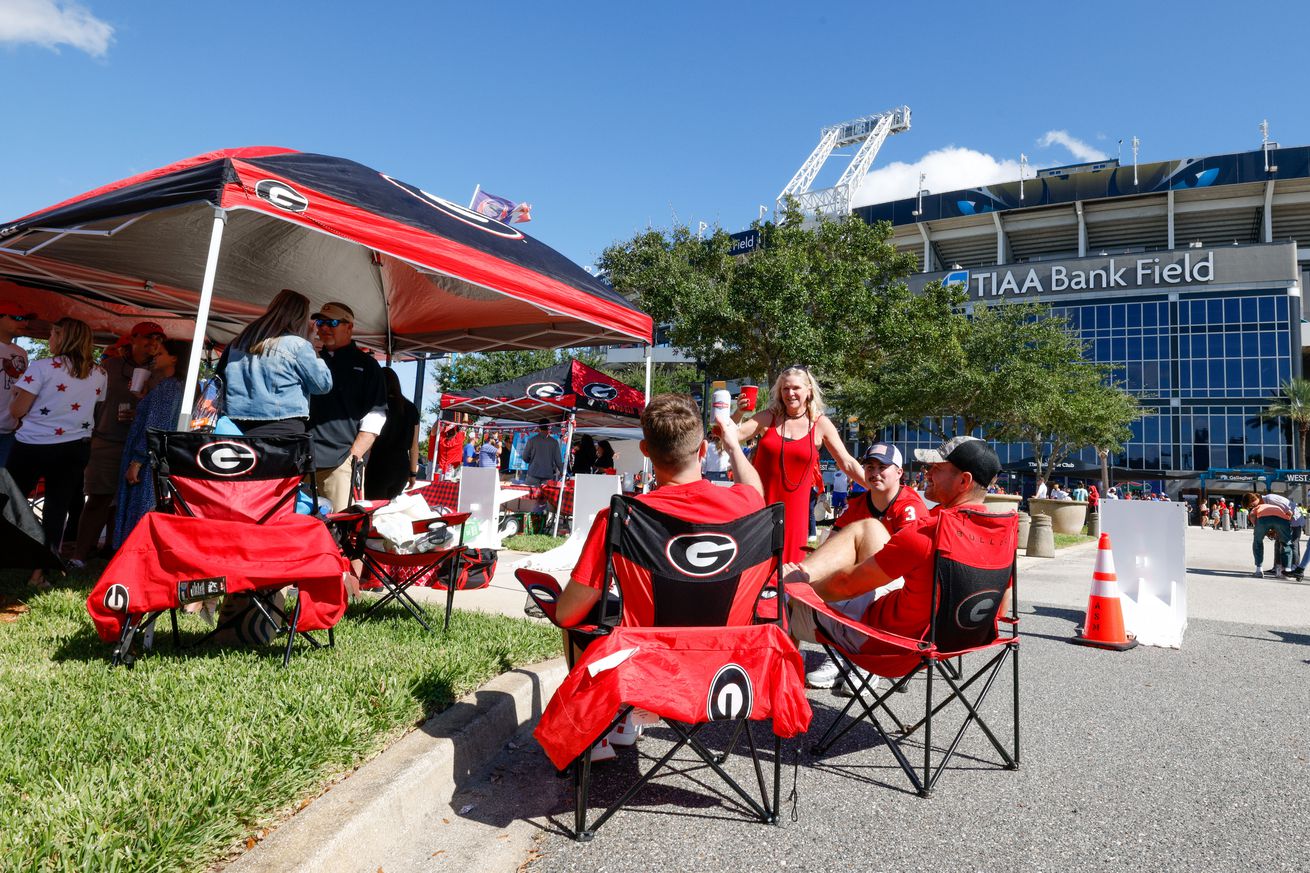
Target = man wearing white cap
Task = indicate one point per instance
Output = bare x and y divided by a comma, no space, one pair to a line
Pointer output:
848,571
345,421
889,501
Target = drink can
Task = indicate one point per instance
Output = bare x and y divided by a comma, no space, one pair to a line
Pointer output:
722,402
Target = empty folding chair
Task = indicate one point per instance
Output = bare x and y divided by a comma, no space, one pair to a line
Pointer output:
699,639
973,576
225,525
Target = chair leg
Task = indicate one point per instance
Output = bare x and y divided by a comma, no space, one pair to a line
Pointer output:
291,631
1015,691
450,600
177,637
925,788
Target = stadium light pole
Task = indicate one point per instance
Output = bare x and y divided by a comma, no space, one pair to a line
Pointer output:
1136,142
1023,165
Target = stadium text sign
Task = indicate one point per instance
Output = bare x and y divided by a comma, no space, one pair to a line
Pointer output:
1155,270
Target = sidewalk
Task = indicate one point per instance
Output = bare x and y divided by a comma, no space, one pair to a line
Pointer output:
470,790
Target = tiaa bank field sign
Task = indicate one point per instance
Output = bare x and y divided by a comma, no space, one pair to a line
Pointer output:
1247,265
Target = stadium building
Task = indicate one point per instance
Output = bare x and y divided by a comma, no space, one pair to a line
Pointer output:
1184,275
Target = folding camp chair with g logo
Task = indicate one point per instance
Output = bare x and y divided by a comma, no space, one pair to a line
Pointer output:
973,571
700,639
225,525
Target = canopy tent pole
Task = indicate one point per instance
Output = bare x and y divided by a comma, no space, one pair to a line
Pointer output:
645,461
202,319
564,480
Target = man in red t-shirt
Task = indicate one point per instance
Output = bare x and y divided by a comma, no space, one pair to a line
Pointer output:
894,504
848,575
674,440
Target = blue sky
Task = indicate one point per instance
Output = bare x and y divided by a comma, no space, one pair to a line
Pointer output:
610,116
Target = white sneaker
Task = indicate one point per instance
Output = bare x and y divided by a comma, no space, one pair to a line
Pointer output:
826,675
603,751
843,689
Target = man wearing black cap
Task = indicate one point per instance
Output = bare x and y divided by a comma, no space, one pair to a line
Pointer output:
133,353
889,501
848,571
15,321
345,421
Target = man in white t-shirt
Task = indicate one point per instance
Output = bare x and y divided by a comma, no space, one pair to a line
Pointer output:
15,321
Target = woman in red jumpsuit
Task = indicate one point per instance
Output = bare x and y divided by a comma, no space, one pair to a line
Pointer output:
791,431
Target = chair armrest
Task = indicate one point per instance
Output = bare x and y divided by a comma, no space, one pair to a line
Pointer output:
544,590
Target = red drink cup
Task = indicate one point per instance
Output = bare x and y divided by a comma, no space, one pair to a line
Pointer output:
746,398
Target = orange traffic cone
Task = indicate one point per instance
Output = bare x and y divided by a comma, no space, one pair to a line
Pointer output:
1104,626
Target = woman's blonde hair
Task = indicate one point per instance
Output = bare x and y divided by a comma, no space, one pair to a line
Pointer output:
814,409
76,345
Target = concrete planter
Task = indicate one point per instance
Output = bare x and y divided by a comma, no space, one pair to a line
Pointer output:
1002,502
1067,516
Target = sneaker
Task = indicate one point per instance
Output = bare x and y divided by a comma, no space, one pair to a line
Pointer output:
843,689
826,675
603,751
75,564
1258,574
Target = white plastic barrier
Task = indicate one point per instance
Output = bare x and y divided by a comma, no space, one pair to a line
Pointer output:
591,494
479,495
1150,557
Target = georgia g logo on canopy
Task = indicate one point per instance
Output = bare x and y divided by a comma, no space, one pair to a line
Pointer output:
545,390
226,458
599,391
703,554
281,195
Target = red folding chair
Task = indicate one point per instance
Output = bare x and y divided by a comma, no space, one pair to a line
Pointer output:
225,524
974,570
399,573
699,639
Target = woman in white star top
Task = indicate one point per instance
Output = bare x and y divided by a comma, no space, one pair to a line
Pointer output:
55,404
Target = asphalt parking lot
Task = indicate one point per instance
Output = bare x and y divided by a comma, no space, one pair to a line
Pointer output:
1155,758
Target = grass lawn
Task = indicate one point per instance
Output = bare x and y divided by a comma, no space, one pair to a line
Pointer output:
1063,540
172,764
532,542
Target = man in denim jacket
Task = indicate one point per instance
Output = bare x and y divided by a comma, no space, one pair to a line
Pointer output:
345,421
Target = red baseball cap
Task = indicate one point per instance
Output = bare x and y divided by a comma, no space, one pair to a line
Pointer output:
148,328
9,307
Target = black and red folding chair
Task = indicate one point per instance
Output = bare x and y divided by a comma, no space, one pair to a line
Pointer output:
974,573
225,524
398,573
699,639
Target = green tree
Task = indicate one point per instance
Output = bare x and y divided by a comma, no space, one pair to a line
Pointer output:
1293,404
814,293
1078,408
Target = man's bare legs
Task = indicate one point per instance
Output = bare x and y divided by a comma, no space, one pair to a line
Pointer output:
843,551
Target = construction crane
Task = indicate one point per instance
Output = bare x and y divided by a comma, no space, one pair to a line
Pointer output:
870,131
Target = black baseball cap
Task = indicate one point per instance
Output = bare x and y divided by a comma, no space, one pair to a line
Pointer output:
966,453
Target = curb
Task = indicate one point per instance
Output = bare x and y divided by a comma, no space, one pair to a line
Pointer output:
407,784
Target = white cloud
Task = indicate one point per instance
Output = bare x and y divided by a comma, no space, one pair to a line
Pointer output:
954,168
51,23
947,169
1079,149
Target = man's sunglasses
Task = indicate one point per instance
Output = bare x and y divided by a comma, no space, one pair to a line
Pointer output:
330,322
21,317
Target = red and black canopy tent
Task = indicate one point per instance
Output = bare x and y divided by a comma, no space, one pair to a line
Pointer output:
214,237
569,391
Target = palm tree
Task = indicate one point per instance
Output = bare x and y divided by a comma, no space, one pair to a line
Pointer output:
1294,405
